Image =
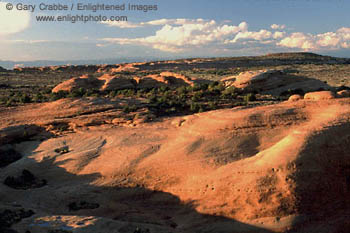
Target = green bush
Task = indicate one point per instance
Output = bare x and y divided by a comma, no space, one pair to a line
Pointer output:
10,102
59,95
249,97
38,98
129,108
230,92
213,84
212,105
197,96
77,93
196,107
181,90
25,99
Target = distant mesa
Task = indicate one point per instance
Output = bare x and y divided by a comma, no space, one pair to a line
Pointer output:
274,82
63,68
299,55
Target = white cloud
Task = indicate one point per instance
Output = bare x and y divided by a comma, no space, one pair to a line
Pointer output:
329,39
247,35
298,40
278,35
323,41
121,24
277,26
344,33
176,21
101,45
158,22
12,21
180,35
29,41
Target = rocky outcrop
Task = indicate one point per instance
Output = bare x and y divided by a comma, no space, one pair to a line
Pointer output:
18,133
85,82
112,82
295,98
108,82
118,68
319,95
279,168
273,82
343,94
163,79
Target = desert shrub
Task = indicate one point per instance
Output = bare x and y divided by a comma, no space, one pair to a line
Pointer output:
230,92
182,97
152,98
204,86
59,95
77,93
163,88
249,97
220,87
213,84
38,97
10,102
93,92
189,89
127,92
195,107
200,87
25,99
212,105
197,96
181,90
290,92
129,108
62,150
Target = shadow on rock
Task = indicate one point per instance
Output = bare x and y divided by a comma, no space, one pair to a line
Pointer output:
69,199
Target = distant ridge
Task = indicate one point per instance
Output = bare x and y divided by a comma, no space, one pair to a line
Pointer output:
268,59
299,55
2,69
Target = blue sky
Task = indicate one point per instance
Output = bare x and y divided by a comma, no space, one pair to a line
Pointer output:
179,28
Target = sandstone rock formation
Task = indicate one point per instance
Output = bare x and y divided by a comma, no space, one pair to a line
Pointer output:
163,79
108,82
319,95
276,168
85,82
14,134
273,82
343,93
112,82
295,97
128,67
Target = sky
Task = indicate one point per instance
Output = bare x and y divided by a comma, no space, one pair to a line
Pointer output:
169,28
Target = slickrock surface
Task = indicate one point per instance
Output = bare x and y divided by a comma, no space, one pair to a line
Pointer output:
277,168
273,82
